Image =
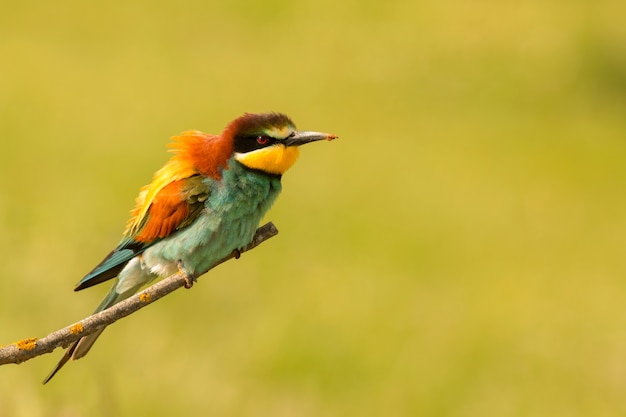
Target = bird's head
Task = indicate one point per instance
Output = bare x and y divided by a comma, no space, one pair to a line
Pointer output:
268,142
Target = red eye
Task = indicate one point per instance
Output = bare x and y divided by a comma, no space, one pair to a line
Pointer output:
262,140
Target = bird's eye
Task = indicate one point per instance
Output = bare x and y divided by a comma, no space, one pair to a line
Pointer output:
262,140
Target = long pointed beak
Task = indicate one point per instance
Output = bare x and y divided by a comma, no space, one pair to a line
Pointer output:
300,138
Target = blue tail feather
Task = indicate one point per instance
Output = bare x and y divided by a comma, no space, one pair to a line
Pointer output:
109,268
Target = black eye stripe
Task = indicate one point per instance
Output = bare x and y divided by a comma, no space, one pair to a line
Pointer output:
248,143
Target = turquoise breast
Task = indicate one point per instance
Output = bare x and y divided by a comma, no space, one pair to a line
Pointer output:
233,210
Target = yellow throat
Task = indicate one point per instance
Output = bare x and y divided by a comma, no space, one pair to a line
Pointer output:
276,159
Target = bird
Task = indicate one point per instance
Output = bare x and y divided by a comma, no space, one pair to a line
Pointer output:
203,204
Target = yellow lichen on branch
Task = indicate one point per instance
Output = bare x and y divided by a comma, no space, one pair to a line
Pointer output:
27,344
76,329
26,349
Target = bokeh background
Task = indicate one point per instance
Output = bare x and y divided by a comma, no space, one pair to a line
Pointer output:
460,251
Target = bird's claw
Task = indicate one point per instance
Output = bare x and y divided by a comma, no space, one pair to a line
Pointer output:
237,253
188,282
189,278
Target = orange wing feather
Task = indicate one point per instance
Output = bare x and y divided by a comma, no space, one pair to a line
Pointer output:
161,206
168,209
173,199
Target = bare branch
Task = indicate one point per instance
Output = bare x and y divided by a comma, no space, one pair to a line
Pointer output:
26,349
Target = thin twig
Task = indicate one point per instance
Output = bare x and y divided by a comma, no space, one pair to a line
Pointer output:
26,349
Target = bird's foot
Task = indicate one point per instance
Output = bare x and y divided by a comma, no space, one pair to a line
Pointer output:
189,278
237,253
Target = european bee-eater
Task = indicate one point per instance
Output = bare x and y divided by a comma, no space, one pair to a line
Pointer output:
206,202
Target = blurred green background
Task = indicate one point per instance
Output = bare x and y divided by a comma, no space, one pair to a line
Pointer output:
458,252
